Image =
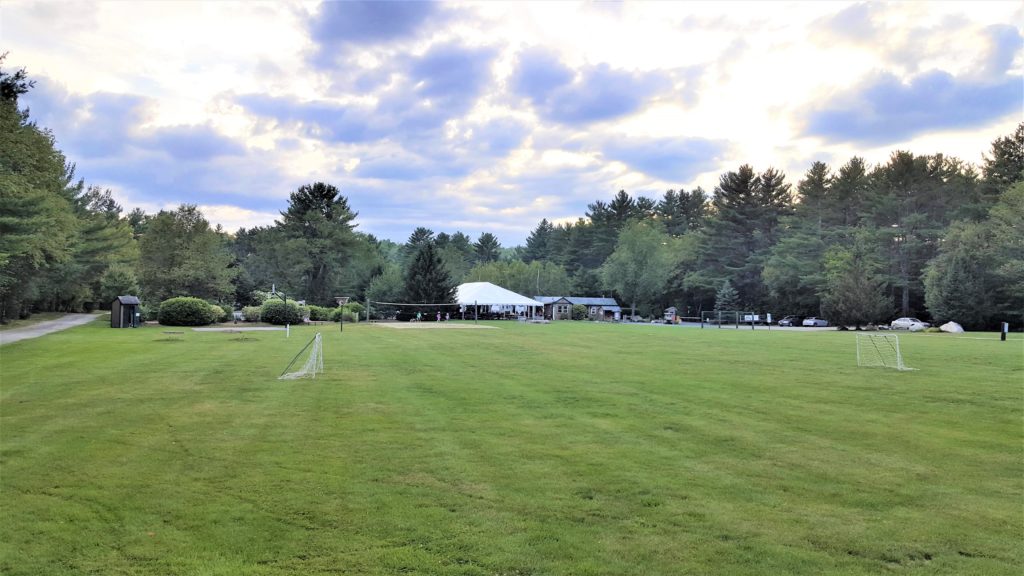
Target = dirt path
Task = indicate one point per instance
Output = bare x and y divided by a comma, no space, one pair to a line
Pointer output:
44,328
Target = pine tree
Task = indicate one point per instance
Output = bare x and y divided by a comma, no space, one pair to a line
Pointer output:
318,224
538,245
855,290
416,240
1004,165
727,299
487,248
427,280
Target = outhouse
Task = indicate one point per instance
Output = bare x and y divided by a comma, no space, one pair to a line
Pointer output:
124,312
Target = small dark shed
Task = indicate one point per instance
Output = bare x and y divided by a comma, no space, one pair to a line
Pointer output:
124,312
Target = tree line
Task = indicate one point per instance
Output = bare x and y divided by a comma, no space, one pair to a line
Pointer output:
927,235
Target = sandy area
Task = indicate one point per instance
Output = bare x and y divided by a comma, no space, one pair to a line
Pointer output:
432,326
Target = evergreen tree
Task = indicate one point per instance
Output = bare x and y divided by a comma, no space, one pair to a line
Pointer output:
417,239
961,282
37,225
727,299
538,245
682,211
427,281
318,224
855,290
1008,249
487,248
736,242
1004,165
848,196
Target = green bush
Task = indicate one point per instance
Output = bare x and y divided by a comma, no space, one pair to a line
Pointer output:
251,313
319,313
220,313
278,312
579,312
185,311
355,308
148,312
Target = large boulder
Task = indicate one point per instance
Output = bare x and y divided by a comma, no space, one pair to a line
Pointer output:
952,327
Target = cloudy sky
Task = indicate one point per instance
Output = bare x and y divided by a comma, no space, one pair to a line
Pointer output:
491,116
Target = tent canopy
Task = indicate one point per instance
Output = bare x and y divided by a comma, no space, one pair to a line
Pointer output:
487,294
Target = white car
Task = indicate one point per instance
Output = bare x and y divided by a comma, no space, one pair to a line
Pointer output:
815,322
912,324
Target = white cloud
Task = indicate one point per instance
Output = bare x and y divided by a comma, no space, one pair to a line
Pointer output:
748,74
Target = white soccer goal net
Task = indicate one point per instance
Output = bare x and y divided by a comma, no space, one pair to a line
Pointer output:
314,362
880,350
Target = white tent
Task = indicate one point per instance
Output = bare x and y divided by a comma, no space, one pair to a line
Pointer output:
491,295
952,327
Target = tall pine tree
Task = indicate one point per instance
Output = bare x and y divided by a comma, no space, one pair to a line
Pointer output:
427,280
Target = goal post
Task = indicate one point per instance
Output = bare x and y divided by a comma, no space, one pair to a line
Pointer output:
314,361
880,351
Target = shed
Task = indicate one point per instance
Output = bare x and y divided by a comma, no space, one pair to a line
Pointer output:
124,312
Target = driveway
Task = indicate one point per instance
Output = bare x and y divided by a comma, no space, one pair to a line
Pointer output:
44,328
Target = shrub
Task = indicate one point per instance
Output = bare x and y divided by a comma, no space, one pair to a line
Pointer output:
319,313
355,308
579,312
251,313
148,312
279,312
185,311
338,313
220,313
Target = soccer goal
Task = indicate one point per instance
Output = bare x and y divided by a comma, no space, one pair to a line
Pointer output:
314,362
880,350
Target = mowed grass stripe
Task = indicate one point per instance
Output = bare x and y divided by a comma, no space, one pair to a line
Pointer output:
570,448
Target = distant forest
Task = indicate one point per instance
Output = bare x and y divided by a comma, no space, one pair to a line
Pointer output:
928,236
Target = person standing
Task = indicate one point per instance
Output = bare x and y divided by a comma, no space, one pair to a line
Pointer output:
438,315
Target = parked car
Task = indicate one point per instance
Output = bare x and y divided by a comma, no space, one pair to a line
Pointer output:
912,324
815,322
790,321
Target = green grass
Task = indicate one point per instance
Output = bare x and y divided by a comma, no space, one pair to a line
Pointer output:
571,448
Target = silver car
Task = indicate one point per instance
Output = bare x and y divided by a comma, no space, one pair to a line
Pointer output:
815,322
912,324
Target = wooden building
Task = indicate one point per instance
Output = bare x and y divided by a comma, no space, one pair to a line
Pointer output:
560,307
125,312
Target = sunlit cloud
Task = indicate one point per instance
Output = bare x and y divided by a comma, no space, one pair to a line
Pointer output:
492,116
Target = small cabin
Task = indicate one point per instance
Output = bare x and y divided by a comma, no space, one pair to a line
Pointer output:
125,312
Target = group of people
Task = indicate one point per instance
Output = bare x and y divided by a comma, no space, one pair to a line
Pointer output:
447,316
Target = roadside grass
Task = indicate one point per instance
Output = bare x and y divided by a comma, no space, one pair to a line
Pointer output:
31,320
569,448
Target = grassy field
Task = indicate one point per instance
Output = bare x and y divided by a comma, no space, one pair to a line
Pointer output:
570,448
